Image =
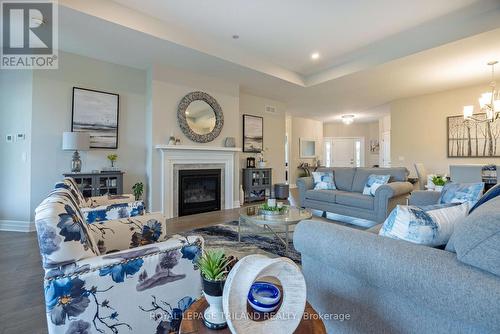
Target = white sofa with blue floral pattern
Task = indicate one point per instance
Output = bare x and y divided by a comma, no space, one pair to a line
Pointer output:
116,276
106,207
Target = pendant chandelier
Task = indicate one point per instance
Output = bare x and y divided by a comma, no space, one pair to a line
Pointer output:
489,102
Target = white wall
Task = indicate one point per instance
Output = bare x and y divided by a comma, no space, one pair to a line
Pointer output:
419,133
167,88
369,131
274,132
52,96
304,128
15,117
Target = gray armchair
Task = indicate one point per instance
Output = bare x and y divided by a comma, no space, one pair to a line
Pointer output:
422,197
393,286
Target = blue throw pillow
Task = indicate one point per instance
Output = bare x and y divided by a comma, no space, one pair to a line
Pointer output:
373,182
490,194
323,181
461,193
430,225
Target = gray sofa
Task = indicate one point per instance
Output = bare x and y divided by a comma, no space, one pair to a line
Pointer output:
348,199
393,286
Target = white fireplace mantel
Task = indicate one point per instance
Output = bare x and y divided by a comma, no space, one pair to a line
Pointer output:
172,155
196,148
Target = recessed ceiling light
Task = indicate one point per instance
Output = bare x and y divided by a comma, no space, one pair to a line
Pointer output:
236,36
315,56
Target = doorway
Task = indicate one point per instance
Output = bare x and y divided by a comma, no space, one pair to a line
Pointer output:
344,151
385,150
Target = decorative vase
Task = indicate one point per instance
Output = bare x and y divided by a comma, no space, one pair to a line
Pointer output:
76,163
242,195
438,188
230,142
213,317
262,164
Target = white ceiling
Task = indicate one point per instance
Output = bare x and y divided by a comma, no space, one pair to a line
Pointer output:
287,32
381,53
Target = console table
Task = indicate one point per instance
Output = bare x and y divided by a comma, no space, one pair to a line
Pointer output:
98,184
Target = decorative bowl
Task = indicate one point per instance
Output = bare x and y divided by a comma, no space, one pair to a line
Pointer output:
264,296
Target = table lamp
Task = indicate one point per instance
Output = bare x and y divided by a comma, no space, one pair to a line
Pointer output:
75,141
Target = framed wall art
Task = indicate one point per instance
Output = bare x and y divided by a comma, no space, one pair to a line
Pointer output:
253,133
96,112
469,139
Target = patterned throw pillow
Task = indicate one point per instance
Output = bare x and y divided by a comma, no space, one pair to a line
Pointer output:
323,181
373,182
490,194
461,193
430,225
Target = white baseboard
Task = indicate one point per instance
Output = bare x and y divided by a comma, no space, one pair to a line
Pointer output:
293,185
236,204
17,226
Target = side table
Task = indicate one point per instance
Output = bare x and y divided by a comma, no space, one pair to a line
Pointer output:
192,322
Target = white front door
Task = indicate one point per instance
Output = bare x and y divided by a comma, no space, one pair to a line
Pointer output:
344,152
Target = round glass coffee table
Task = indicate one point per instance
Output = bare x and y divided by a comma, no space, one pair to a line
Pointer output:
276,224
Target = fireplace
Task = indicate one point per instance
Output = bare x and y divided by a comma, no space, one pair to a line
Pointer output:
199,191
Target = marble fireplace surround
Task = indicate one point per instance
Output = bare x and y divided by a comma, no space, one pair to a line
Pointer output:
177,157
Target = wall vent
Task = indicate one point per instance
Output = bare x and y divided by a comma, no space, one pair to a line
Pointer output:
271,109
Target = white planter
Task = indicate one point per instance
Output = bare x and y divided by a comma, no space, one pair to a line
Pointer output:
213,317
438,188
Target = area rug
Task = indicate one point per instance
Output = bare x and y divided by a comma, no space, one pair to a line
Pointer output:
225,236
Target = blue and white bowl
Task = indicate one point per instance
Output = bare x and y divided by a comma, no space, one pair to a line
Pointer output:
264,296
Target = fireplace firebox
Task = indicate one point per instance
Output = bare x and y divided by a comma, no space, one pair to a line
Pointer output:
199,191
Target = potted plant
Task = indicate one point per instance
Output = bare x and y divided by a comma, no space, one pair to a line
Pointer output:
439,182
112,158
214,267
138,189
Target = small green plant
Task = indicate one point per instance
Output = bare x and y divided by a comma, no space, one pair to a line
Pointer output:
266,207
438,181
214,265
138,189
112,158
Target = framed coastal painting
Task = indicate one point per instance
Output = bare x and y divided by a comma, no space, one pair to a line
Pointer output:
253,133
96,112
469,139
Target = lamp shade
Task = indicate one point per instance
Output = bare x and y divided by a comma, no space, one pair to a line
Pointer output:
76,141
468,111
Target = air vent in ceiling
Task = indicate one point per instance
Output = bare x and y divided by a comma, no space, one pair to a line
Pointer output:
271,109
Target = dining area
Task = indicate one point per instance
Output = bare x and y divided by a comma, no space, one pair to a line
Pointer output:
489,174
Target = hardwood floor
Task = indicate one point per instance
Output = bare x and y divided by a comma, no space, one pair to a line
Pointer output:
22,306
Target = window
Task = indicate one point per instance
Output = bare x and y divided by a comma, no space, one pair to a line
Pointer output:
358,153
328,153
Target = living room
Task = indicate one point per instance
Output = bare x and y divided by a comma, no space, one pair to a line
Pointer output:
342,173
